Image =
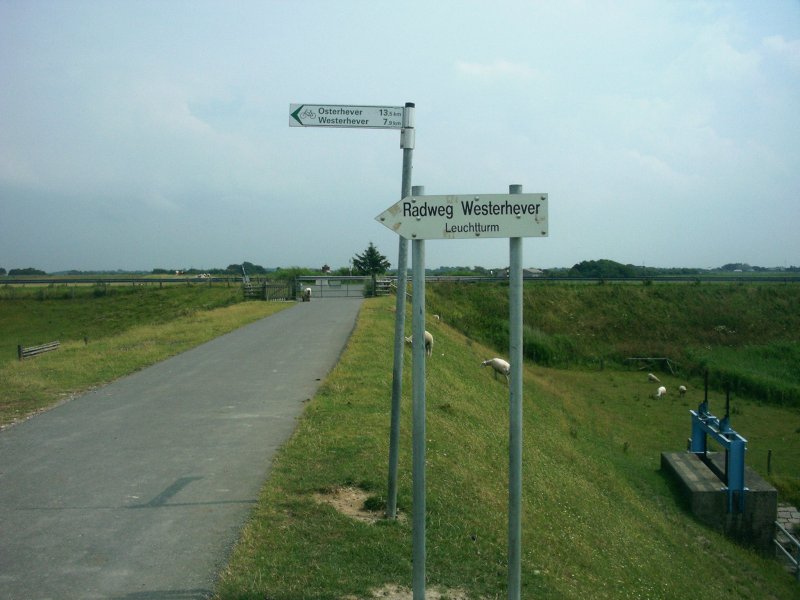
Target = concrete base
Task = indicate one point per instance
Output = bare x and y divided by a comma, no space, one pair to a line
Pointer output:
708,499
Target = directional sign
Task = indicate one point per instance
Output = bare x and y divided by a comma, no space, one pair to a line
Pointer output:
334,115
468,216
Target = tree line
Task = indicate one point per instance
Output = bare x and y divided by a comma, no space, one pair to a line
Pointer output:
372,262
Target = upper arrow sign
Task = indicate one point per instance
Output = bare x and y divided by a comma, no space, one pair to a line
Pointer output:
468,216
334,115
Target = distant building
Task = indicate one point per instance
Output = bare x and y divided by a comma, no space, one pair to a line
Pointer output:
526,273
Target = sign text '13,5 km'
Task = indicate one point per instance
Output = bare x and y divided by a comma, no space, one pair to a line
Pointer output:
336,115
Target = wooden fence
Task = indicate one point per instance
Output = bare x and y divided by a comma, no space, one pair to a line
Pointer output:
268,291
30,351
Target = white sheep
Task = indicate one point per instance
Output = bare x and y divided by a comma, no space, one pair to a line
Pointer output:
662,391
681,390
651,377
307,295
498,366
428,342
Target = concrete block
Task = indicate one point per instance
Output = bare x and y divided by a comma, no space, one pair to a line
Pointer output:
707,499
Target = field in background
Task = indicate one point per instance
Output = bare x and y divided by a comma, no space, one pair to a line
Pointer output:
36,314
746,335
599,518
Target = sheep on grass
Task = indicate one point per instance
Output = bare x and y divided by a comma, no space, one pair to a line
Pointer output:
651,377
681,390
428,342
498,366
661,392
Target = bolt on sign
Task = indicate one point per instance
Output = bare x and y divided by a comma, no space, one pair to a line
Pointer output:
468,216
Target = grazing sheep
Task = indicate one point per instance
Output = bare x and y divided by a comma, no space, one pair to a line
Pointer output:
307,295
437,317
651,377
498,366
681,390
662,391
428,342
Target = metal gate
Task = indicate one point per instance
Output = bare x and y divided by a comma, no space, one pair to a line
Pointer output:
267,291
332,286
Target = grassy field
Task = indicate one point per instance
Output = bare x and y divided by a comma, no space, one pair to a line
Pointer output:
105,333
33,315
747,336
599,518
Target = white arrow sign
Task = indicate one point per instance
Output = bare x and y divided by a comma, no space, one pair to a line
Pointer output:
335,115
468,216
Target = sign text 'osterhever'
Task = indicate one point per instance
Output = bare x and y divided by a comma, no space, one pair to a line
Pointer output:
336,115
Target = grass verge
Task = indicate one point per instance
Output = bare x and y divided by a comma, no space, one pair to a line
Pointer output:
39,383
599,519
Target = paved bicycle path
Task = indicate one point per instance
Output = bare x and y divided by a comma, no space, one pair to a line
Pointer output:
139,489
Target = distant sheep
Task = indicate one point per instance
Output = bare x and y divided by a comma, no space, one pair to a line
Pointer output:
307,295
661,392
428,343
653,378
681,390
498,366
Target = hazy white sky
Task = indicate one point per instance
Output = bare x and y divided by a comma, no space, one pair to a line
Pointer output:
136,135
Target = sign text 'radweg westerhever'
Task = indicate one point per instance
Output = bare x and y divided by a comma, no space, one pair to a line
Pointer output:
468,216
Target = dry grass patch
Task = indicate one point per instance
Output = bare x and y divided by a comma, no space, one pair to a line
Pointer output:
351,501
398,592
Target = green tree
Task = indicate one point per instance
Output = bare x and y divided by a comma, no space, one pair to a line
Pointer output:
371,262
26,271
249,268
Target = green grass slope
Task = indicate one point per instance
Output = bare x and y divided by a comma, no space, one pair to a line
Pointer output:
34,315
599,519
126,329
748,336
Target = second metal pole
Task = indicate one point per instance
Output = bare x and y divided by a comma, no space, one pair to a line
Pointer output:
515,414
418,417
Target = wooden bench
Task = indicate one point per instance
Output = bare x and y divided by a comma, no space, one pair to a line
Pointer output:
30,351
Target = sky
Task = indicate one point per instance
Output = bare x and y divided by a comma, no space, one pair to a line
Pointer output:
142,135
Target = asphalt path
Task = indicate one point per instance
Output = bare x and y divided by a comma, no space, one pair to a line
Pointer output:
139,489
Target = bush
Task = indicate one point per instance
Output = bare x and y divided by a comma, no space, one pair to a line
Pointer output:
548,350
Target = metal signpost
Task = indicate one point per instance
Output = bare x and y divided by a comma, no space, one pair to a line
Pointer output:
378,117
468,216
335,115
421,217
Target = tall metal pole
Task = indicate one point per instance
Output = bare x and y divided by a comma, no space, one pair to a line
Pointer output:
407,144
418,417
515,415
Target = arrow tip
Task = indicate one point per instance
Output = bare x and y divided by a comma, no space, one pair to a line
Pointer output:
295,113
